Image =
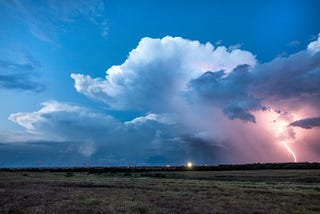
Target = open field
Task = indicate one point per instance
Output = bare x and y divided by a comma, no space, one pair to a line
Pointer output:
251,191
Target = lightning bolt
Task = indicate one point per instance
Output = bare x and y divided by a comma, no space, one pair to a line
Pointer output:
289,150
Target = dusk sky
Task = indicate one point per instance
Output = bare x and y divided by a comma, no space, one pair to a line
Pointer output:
159,82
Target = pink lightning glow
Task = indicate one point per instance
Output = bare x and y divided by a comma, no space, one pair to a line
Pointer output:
289,150
277,125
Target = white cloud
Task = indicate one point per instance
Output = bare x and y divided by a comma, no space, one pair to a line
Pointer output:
65,122
89,133
157,71
28,120
167,119
314,47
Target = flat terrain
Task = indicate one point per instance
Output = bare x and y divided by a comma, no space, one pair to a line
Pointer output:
254,191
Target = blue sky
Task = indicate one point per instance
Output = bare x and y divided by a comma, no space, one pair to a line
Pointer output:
158,104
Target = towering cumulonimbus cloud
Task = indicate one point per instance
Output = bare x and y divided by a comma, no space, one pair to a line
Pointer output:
216,91
157,72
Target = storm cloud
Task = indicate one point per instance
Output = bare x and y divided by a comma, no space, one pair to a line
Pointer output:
307,123
195,101
91,133
229,92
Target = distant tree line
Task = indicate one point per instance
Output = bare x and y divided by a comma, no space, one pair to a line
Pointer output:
128,169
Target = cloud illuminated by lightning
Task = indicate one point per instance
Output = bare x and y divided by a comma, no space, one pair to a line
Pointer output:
278,127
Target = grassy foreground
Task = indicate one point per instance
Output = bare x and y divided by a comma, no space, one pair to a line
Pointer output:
254,191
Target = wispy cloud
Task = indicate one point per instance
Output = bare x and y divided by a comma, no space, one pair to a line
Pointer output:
20,74
234,47
294,43
47,19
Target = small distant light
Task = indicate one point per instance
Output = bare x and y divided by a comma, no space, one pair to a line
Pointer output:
168,166
189,164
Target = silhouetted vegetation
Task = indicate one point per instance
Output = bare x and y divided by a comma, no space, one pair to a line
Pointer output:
130,169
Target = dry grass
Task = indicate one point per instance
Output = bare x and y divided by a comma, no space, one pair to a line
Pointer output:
268,191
